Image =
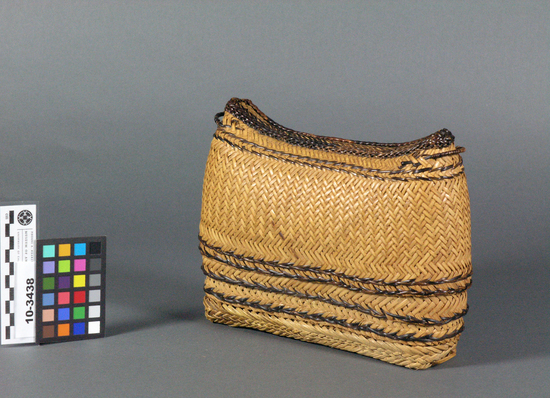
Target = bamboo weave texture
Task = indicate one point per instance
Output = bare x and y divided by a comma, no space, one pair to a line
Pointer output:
360,246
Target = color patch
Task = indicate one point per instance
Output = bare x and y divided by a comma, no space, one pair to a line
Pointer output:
64,250
94,311
79,328
95,296
80,297
95,280
48,315
64,266
95,264
70,289
95,248
48,331
80,249
94,327
79,312
63,314
48,299
79,281
63,298
64,282
64,330
48,267
80,265
48,251
48,283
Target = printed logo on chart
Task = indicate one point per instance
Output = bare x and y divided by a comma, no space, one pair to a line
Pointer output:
24,217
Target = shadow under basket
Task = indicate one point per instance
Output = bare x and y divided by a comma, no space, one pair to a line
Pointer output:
356,245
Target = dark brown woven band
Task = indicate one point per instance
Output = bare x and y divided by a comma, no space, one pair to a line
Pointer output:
353,283
243,145
358,326
381,314
244,110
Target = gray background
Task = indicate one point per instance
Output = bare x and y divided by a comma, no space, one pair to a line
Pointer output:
106,119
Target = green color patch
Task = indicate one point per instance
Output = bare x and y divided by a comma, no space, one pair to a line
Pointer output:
48,283
79,312
64,266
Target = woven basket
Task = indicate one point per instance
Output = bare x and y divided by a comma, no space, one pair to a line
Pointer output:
359,246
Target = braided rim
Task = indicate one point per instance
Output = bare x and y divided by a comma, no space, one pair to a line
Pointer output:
241,109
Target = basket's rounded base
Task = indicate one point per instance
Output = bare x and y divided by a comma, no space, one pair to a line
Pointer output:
451,355
409,355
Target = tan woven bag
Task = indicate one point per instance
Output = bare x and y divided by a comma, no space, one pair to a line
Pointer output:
359,246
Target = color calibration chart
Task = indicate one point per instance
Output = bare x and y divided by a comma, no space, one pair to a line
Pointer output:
17,262
70,278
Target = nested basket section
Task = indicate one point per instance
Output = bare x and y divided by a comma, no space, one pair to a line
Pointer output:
367,242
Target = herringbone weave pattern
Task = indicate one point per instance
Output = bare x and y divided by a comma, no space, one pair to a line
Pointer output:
355,245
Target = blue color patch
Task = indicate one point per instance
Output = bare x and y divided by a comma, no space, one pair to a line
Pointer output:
79,328
48,299
63,314
80,249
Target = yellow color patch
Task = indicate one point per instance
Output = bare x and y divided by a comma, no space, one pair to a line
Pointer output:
64,250
79,281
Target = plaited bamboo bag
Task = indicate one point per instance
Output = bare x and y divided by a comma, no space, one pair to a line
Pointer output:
359,246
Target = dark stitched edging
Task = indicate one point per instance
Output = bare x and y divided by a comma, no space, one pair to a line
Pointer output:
280,309
339,166
343,284
328,272
340,303
322,167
